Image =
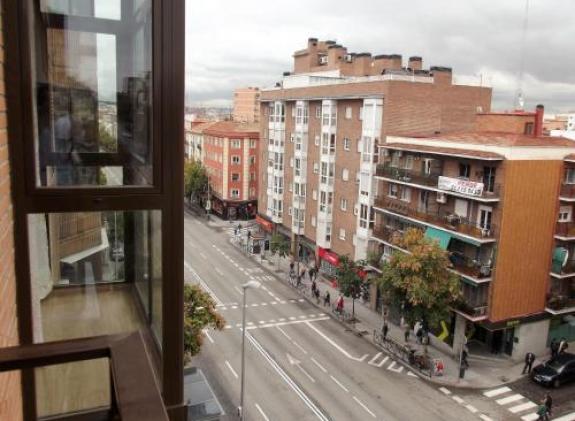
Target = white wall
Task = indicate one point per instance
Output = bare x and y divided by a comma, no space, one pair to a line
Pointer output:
532,337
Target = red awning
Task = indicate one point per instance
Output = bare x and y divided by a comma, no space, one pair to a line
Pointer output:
265,224
329,256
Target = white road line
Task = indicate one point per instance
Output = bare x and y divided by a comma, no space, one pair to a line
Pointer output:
509,399
522,407
202,283
309,403
339,348
306,373
227,326
281,320
273,303
533,417
292,318
391,367
471,408
496,392
219,272
300,347
263,414
293,322
239,290
303,316
485,417
232,369
223,308
255,305
568,417
379,364
234,307
364,406
283,332
409,373
264,304
457,399
203,256
445,391
208,336
338,383
318,364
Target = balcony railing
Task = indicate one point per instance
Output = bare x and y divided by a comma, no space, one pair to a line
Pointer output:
135,395
430,180
473,310
560,302
567,190
565,229
440,218
560,269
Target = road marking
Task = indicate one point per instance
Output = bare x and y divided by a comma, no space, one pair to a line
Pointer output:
471,408
445,391
379,364
457,399
364,406
219,272
255,305
311,315
522,407
272,320
234,307
568,417
208,336
339,348
223,308
239,290
202,283
301,300
261,322
306,373
292,322
309,403
338,383
485,417
203,256
300,347
232,369
263,414
318,364
530,417
263,304
509,399
409,373
303,316
391,367
292,318
273,303
250,323
495,392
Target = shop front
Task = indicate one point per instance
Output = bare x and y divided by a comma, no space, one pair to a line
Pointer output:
328,263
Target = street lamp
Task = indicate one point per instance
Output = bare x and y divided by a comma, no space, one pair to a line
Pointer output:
245,287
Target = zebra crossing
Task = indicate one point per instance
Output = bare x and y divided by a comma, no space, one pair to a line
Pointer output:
379,360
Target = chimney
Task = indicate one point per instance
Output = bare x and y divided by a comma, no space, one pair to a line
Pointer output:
395,61
415,63
538,128
441,74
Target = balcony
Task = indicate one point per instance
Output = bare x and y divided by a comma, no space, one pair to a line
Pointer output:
471,311
429,180
567,191
568,269
559,304
565,230
439,218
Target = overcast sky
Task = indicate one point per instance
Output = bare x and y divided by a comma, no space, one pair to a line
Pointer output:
231,44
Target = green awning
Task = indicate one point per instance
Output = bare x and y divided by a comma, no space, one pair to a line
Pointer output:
442,237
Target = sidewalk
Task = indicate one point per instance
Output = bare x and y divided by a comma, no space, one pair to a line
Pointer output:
482,373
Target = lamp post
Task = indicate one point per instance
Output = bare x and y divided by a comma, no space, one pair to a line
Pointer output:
245,287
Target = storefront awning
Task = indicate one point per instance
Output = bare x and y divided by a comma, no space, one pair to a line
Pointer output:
265,224
329,256
442,237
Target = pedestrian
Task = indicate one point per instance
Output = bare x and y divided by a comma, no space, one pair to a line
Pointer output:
384,330
313,286
554,345
315,271
464,354
326,299
302,274
316,294
529,359
298,281
310,273
406,333
548,402
541,412
291,266
563,345
419,335
339,304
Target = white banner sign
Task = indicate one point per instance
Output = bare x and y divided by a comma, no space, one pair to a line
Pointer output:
460,186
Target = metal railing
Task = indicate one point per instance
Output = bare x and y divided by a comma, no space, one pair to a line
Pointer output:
567,190
417,360
560,302
563,269
565,229
473,310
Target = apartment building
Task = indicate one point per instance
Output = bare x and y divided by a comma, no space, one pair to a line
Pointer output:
80,331
195,139
499,200
320,129
230,156
246,105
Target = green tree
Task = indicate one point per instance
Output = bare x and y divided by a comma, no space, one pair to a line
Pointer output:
199,313
419,281
195,179
279,246
349,280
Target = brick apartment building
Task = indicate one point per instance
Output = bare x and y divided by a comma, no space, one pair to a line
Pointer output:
499,200
230,156
320,129
195,139
246,105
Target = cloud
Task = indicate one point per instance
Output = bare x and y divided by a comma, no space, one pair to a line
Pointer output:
232,44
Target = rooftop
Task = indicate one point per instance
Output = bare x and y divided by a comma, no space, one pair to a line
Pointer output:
232,128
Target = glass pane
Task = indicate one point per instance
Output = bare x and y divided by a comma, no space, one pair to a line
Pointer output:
93,273
92,79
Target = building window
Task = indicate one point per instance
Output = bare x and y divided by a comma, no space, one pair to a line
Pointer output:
489,179
253,143
290,211
565,214
315,168
235,176
236,160
236,143
363,213
313,221
252,160
408,162
314,194
346,143
345,174
406,194
528,130
343,204
316,140
252,176
318,111
341,234
235,193
395,159
570,176
464,170
393,191
348,113
427,166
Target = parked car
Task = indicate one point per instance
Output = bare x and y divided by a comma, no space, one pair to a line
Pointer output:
556,371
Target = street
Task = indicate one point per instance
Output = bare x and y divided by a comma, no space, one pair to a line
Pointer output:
300,363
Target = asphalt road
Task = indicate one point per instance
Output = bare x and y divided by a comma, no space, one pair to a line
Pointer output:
301,364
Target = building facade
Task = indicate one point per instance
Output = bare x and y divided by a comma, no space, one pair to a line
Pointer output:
246,105
230,156
320,130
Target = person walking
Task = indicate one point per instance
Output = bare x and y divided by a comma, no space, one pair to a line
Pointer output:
548,402
313,287
554,346
339,304
310,274
563,345
406,333
316,295
327,299
384,330
529,359
302,273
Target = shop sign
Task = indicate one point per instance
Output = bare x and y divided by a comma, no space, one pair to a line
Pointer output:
458,185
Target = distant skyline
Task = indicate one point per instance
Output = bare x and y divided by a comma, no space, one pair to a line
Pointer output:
250,43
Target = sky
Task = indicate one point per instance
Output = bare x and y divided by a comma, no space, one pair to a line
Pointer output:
233,44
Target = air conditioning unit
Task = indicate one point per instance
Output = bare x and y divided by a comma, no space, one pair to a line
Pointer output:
441,198
356,210
323,60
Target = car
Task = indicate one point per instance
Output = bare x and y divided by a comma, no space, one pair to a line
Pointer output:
556,371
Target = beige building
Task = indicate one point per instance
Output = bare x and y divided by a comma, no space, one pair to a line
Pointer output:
247,105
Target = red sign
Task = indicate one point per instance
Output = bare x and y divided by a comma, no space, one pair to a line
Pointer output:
265,224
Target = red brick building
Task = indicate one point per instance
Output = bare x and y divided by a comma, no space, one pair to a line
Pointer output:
230,155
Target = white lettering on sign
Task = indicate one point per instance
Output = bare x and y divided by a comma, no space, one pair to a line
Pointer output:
457,185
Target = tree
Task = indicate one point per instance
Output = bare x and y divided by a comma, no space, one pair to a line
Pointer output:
349,279
419,281
199,313
279,246
195,178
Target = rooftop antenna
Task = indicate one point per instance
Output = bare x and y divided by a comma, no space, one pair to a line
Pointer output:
519,98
